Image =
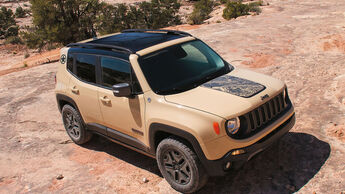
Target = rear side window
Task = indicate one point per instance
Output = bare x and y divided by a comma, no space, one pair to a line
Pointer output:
86,67
115,71
70,62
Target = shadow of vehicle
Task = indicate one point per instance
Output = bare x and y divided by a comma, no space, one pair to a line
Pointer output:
283,168
101,144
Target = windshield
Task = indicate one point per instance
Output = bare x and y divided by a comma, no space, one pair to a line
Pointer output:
181,67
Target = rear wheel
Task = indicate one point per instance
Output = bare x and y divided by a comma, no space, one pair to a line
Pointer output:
74,125
180,166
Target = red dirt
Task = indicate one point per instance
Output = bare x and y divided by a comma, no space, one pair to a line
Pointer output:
6,181
334,42
56,185
259,60
41,58
10,48
337,131
33,61
100,164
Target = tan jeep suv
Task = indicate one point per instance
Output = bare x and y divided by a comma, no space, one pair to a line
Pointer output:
168,95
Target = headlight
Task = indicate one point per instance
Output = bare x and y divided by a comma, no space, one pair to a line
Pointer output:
233,125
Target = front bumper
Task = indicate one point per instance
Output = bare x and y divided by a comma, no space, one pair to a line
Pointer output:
216,167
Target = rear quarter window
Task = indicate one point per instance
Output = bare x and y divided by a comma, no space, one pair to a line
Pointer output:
70,62
86,67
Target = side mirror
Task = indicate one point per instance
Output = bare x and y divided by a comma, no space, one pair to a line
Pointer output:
122,90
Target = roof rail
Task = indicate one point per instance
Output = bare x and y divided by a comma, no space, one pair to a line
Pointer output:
175,32
118,48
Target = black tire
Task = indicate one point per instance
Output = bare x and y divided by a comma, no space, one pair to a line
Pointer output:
180,166
74,125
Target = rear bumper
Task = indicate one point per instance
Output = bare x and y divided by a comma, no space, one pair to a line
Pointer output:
216,167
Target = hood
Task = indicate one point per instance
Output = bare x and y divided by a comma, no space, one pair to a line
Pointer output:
230,95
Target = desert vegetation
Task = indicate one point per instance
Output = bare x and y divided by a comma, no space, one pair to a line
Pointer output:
58,22
201,11
148,15
8,27
236,9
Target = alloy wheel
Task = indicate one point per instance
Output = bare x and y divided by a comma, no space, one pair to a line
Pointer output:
177,166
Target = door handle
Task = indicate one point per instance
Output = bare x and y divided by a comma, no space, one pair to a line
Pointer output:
75,90
105,99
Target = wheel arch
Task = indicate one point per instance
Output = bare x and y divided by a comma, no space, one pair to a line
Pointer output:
62,100
159,131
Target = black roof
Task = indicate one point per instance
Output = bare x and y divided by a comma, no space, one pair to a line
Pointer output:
135,40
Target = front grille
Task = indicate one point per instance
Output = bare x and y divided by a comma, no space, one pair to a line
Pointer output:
257,119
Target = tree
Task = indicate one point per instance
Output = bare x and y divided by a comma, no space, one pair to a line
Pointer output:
62,21
150,15
201,12
115,18
8,26
20,12
160,13
66,21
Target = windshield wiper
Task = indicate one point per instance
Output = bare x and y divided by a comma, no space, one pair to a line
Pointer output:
194,84
174,90
209,77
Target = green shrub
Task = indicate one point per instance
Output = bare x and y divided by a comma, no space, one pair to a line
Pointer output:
62,22
235,9
56,21
13,40
20,12
255,7
160,13
150,15
8,26
201,12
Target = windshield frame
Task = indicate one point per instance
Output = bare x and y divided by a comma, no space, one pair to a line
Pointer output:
227,68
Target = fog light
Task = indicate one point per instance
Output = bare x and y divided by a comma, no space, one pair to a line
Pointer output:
238,152
227,166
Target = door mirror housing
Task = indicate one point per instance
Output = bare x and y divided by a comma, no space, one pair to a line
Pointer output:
122,90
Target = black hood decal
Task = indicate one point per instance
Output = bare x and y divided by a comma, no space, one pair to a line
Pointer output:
235,85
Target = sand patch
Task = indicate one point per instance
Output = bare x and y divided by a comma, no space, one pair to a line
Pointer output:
259,60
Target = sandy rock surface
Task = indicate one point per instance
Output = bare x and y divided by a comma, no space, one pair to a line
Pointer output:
299,42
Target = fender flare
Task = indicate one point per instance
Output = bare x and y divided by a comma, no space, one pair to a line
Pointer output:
61,97
159,127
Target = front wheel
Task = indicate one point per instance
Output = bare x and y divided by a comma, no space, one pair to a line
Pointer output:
180,166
